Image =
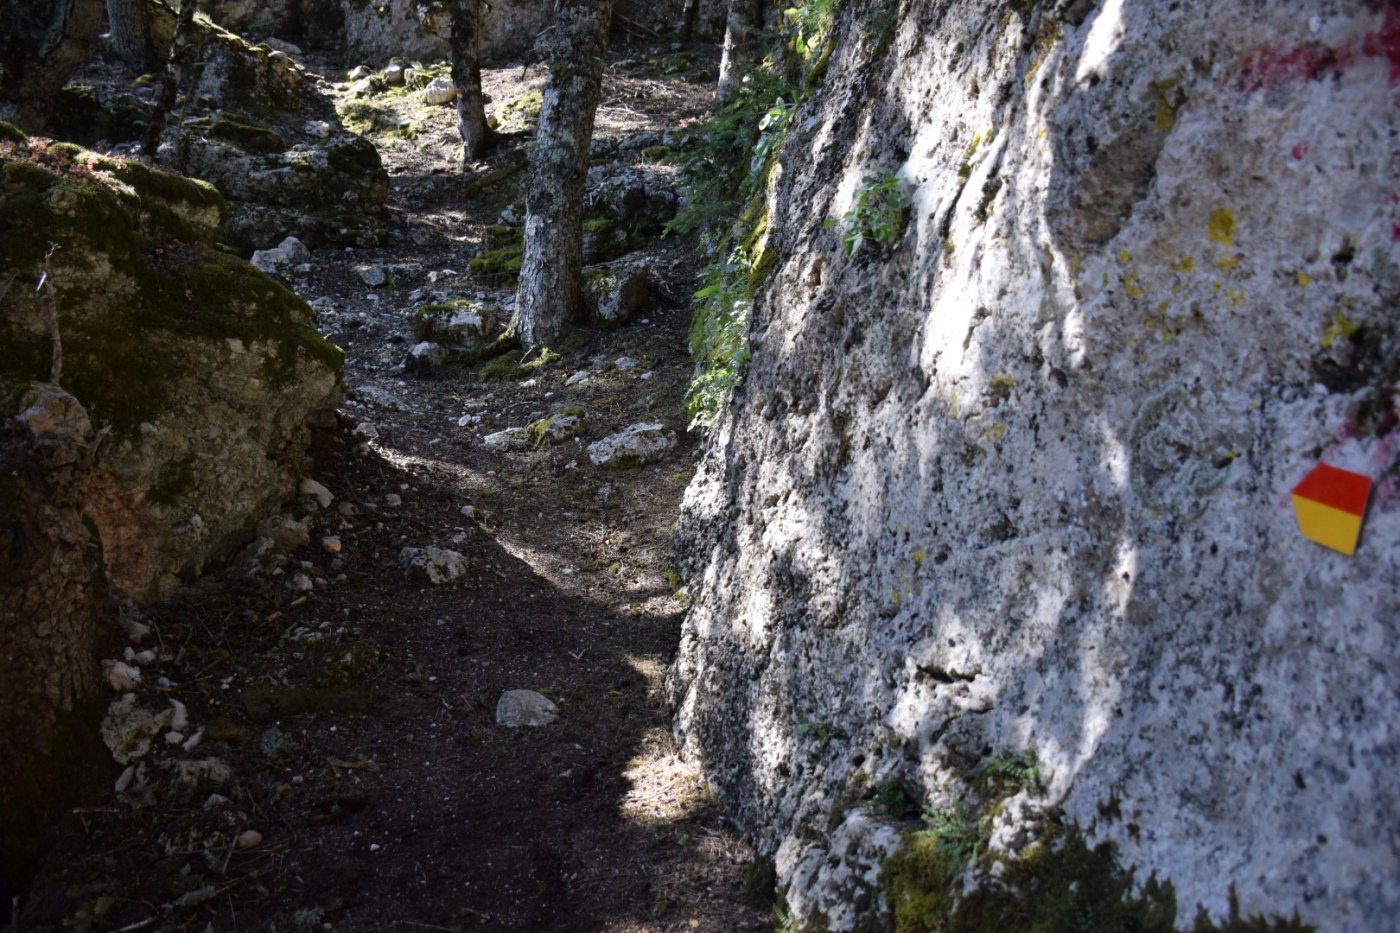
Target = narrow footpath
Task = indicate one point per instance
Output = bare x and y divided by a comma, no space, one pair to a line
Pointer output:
368,784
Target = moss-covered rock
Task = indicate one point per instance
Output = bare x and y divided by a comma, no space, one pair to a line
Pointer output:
204,371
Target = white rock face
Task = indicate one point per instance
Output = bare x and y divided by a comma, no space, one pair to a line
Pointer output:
518,708
633,446
433,564
1023,484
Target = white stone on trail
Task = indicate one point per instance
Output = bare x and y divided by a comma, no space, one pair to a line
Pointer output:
625,364
440,91
127,729
634,446
433,565
518,708
288,533
287,253
357,73
374,276
120,675
322,495
578,378
393,500
509,439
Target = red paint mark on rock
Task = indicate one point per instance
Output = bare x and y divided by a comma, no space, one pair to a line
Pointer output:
1269,66
1395,233
1385,42
1301,150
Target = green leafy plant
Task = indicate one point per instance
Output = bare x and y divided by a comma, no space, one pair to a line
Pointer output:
807,26
1009,774
878,214
954,834
718,339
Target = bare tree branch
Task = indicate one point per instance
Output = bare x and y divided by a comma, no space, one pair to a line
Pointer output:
51,303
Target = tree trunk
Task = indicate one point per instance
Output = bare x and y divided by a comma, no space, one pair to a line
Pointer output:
685,22
550,294
180,49
43,43
477,137
742,22
132,42
53,610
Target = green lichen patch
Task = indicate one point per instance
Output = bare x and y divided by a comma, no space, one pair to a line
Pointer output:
520,114
10,133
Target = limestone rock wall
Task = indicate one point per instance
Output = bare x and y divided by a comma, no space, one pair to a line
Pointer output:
1022,484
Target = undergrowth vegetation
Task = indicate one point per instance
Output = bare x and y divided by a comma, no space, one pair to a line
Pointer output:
947,878
728,164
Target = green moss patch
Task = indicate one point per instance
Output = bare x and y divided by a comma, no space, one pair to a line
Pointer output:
127,230
248,137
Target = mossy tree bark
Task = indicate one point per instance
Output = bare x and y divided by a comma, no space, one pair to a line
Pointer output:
477,137
53,607
743,21
132,39
42,43
550,293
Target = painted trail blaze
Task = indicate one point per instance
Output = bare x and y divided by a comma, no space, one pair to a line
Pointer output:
1330,504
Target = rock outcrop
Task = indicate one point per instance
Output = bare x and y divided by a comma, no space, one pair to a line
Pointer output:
156,396
1013,495
203,371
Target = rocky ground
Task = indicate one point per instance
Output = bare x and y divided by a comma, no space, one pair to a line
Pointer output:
317,739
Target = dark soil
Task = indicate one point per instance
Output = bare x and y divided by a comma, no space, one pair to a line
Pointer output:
358,716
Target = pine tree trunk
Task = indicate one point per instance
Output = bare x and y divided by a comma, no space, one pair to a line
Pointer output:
477,137
130,23
42,42
550,294
741,23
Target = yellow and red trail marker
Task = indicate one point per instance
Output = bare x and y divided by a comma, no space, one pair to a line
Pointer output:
1330,504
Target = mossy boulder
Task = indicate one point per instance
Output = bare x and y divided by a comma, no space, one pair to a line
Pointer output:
201,375
614,294
465,326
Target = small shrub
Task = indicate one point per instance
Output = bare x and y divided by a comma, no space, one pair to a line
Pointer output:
878,214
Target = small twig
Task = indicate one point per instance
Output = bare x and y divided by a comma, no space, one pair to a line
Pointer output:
138,925
51,300
633,24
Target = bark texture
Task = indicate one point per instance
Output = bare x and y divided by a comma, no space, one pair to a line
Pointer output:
42,44
551,288
466,76
132,41
53,603
742,21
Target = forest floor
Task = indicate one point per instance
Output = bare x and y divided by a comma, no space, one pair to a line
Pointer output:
357,716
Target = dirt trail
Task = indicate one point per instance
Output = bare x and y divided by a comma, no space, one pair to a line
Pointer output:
358,715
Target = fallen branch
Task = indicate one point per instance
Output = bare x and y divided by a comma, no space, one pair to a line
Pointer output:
636,26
